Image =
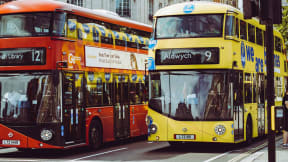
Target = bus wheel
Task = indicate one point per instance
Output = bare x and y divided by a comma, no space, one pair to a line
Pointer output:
95,134
249,131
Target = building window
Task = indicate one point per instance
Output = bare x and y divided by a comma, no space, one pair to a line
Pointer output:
76,2
123,8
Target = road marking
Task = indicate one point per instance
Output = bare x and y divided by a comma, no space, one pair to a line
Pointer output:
216,157
252,157
16,160
7,150
251,151
102,153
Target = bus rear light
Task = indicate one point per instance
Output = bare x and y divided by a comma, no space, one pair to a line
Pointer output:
46,134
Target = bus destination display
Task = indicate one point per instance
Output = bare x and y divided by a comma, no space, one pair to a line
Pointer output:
23,56
187,56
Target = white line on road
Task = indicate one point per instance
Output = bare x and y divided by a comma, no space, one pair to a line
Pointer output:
102,153
216,157
252,157
17,160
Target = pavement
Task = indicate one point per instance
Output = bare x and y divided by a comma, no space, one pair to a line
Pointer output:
262,154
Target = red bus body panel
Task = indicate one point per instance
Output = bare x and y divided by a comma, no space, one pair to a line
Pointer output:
65,49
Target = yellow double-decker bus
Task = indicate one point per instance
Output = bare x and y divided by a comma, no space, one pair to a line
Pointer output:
207,75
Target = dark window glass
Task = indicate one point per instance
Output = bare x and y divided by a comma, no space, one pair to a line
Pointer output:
237,28
59,24
278,44
255,95
248,88
259,36
251,33
243,30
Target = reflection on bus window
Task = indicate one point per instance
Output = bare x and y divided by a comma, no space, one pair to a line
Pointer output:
31,24
59,28
29,98
200,96
189,26
231,27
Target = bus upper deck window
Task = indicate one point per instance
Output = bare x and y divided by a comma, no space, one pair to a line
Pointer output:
59,28
243,30
231,26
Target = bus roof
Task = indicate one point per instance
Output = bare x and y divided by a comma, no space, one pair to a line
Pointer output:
195,7
203,7
24,6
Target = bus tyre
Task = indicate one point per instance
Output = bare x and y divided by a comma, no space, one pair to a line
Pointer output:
95,134
248,131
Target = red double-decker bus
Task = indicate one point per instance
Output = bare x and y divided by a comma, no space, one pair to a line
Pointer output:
69,76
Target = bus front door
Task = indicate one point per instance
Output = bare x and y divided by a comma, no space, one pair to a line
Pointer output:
73,108
261,104
121,107
238,107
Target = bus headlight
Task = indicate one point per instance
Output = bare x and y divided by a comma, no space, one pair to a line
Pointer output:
46,134
152,129
220,129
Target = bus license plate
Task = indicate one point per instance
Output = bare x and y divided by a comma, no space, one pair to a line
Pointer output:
185,136
10,142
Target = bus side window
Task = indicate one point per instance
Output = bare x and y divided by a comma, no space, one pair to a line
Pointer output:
237,27
232,26
278,44
254,89
243,30
229,27
59,24
259,36
251,33
248,88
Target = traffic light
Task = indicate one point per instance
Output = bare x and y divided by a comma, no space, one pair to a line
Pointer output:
260,8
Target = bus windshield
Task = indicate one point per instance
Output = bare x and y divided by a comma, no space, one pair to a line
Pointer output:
25,25
190,96
189,26
28,98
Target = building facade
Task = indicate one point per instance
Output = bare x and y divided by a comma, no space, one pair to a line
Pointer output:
139,10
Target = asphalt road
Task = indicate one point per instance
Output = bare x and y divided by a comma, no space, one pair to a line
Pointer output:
141,150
